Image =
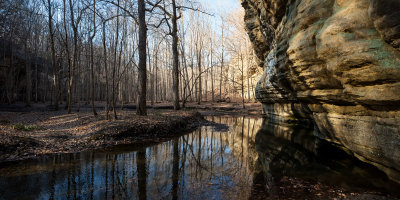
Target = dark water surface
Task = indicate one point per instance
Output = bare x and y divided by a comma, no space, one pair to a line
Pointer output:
236,161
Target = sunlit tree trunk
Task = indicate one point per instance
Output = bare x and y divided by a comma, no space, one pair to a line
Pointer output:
242,79
212,72
222,63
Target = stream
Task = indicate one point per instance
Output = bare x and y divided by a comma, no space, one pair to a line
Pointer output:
237,158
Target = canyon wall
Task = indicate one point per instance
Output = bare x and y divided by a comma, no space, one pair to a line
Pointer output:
336,64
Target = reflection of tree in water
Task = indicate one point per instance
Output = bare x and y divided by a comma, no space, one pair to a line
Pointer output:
235,164
220,159
242,140
175,169
142,174
203,164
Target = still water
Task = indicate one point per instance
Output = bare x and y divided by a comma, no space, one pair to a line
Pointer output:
236,159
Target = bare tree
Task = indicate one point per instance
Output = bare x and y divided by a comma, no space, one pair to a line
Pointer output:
106,69
114,70
92,59
171,20
181,52
141,109
212,69
222,59
199,48
175,69
53,54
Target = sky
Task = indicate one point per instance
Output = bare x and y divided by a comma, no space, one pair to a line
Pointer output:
220,6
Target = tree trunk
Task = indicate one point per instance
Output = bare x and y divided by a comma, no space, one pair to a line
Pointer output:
74,55
212,74
156,80
199,67
175,69
241,58
28,79
78,83
68,54
194,82
248,81
206,82
78,76
141,108
153,79
92,60
92,78
36,81
106,70
115,65
222,65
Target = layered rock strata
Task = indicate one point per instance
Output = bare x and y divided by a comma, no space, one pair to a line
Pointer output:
337,64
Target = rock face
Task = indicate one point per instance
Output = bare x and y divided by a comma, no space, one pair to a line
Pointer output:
335,63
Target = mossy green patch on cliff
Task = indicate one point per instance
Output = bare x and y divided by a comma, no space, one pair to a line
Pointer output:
384,54
372,32
348,36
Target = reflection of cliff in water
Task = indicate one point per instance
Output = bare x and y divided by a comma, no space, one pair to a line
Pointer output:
288,150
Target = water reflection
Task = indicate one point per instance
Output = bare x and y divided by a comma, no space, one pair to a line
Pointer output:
209,163
287,150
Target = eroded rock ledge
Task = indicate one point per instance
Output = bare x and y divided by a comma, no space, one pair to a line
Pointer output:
337,64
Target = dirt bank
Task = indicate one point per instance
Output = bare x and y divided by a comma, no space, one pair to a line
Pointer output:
34,134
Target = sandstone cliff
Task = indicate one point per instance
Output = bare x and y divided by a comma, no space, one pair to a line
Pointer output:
335,63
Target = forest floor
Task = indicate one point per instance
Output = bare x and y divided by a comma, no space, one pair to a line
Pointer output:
25,135
30,132
206,108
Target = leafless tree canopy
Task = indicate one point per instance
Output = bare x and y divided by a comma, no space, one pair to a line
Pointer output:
72,53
